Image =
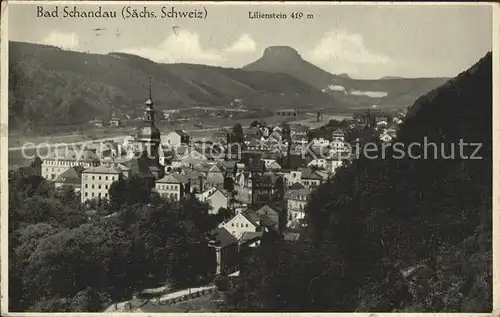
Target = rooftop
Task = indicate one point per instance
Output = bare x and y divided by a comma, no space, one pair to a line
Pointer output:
102,169
222,237
72,175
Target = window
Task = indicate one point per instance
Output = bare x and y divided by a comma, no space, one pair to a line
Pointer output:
232,225
86,194
99,195
92,194
106,186
106,178
93,186
86,185
246,225
100,177
93,177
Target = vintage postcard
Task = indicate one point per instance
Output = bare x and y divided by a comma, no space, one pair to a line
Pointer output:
237,157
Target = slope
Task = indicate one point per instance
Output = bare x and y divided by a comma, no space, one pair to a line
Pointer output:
394,232
50,86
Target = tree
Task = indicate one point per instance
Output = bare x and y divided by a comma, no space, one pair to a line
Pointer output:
224,214
237,134
133,190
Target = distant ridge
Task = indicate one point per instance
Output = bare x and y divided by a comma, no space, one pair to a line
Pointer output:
355,93
51,86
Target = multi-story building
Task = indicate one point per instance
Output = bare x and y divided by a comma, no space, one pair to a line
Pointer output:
173,186
96,181
296,202
59,160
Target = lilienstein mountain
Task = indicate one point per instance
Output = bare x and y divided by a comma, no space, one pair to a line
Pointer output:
51,86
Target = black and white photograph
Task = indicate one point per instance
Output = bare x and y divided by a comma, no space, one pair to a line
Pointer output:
238,157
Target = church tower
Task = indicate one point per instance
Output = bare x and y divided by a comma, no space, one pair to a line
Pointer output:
148,137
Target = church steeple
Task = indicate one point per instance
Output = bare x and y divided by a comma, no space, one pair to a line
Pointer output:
149,113
150,138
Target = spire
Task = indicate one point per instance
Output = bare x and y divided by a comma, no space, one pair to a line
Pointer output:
150,98
149,102
149,113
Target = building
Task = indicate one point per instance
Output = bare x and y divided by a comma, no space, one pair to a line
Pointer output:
216,198
173,186
262,189
296,201
175,138
196,181
96,182
287,112
333,163
192,158
215,176
338,145
149,138
59,160
221,136
310,178
246,221
250,240
273,215
338,135
115,122
226,250
71,177
320,142
97,123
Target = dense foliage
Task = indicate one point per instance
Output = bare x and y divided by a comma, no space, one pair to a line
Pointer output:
413,234
61,259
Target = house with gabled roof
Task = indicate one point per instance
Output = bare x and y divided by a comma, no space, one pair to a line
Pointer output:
229,167
215,176
269,216
246,221
175,138
216,198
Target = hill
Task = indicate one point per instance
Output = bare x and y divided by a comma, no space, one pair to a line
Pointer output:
388,92
50,86
392,232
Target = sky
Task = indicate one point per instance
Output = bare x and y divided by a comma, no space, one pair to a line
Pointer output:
364,41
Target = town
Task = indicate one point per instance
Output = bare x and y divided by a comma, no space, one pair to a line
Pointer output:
260,178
